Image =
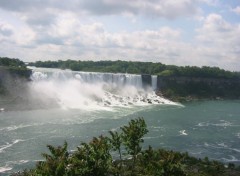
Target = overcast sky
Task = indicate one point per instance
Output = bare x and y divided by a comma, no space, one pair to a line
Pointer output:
180,32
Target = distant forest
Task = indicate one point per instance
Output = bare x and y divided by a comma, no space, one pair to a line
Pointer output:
139,68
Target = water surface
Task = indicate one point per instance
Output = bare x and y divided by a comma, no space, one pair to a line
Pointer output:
208,128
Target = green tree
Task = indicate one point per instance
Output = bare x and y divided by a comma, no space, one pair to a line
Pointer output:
56,162
92,159
133,136
116,142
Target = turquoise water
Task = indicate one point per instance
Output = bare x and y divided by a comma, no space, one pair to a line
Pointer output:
207,128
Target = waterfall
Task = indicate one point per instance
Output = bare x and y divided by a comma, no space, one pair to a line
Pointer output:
154,82
91,77
75,89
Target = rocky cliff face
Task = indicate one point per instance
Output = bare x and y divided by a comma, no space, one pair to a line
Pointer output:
198,87
181,88
184,80
12,79
146,81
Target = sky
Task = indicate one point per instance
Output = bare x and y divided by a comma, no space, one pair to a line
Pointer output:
178,32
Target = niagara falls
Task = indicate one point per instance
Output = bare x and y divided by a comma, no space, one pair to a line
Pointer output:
119,88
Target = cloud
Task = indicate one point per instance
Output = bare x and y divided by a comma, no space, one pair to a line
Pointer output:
217,31
219,41
236,10
69,31
39,20
216,43
154,8
21,36
69,38
5,29
54,22
50,29
211,2
22,5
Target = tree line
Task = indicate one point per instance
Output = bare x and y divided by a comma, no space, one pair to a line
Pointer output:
125,67
139,68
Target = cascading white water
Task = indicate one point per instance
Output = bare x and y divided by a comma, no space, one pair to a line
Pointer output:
91,90
154,82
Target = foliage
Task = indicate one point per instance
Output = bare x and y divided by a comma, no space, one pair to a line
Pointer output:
116,142
91,159
132,136
162,162
166,73
56,162
4,61
95,158
15,67
139,68
10,71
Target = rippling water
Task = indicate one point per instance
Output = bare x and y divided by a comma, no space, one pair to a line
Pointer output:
209,128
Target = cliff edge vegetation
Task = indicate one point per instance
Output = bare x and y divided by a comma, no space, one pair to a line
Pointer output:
139,68
12,73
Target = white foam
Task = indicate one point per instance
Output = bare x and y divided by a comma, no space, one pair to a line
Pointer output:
206,144
221,146
236,150
4,169
9,165
232,159
14,127
223,123
183,133
238,135
18,162
8,145
218,146
155,137
157,128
